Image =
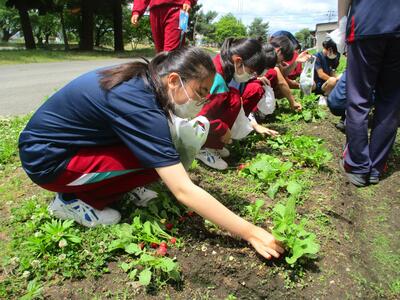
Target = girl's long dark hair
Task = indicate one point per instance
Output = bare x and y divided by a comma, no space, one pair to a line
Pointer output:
189,62
251,52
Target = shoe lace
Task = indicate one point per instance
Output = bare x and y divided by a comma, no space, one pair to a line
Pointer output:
214,152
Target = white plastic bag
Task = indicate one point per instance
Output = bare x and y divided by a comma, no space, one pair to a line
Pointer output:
307,76
339,35
242,126
267,103
188,137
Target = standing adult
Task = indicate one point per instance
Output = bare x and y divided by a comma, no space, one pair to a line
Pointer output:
164,20
373,37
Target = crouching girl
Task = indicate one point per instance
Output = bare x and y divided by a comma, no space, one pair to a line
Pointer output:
107,132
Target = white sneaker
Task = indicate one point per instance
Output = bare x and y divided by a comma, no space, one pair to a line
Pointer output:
141,196
224,152
82,212
212,158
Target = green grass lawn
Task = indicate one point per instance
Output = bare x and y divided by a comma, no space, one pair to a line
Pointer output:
23,56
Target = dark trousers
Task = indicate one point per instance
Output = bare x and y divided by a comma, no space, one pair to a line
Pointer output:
372,64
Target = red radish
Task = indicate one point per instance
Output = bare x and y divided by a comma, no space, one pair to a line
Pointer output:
190,213
169,226
172,240
163,245
182,219
242,166
154,245
141,245
161,251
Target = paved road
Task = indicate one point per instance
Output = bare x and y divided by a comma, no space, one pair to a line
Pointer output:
23,87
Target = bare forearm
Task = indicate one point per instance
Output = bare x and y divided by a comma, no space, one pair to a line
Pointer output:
343,8
211,209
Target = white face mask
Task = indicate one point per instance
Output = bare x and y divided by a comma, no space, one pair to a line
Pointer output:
187,110
332,56
244,77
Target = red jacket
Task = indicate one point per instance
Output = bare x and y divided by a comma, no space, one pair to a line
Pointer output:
251,95
139,6
222,110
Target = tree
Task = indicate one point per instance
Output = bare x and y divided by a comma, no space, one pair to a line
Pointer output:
87,25
9,21
44,26
23,6
258,29
305,38
205,25
136,35
228,26
193,17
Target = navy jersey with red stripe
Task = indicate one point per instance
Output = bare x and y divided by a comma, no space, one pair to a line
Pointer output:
373,18
82,114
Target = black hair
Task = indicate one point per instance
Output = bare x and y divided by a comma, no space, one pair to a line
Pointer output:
330,44
284,43
270,55
251,52
189,62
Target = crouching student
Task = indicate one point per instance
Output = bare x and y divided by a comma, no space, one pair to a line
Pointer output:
239,61
107,132
325,65
296,68
337,101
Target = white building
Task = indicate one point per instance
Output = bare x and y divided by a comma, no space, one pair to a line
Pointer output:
321,33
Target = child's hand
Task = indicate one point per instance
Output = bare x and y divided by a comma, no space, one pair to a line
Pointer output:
264,80
227,138
186,7
303,57
264,243
265,131
296,106
135,20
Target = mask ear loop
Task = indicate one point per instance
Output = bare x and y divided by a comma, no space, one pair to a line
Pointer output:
184,89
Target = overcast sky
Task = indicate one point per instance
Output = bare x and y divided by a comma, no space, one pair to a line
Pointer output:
290,15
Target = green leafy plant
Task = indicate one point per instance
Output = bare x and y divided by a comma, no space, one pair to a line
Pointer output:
254,211
305,150
311,111
274,173
296,239
136,240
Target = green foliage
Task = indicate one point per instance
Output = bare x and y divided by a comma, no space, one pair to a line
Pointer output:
275,173
258,29
9,132
205,25
296,239
228,26
311,111
144,265
33,290
9,21
305,150
305,38
136,35
255,213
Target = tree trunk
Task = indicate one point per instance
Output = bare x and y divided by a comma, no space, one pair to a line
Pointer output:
86,32
117,19
26,28
64,32
6,35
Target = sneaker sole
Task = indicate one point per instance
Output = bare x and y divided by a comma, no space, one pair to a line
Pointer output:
205,161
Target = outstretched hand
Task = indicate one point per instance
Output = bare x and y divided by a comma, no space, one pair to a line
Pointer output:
303,57
264,243
265,131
